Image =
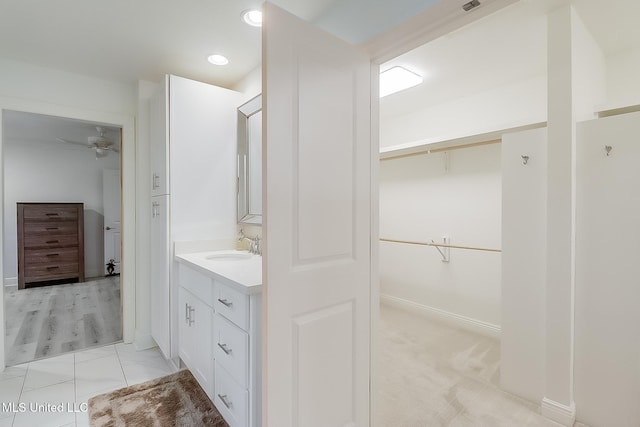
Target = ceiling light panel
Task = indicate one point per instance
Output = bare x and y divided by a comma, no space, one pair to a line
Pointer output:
396,79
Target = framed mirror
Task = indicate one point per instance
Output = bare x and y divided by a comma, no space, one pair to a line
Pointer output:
250,161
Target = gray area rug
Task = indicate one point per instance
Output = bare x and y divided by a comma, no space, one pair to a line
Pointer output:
174,400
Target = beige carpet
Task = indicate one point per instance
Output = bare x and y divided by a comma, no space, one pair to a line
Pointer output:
174,400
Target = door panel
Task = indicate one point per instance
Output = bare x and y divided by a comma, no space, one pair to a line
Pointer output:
317,269
111,200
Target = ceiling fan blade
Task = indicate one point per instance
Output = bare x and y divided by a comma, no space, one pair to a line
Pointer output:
67,141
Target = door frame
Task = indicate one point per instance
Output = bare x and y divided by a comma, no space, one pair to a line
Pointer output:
436,21
128,200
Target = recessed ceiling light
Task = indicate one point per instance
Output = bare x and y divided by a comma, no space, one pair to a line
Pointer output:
252,17
218,59
396,79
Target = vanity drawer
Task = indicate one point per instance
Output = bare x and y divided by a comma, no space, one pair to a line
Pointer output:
232,304
231,399
196,283
231,349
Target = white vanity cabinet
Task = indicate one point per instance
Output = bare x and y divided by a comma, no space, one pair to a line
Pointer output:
220,334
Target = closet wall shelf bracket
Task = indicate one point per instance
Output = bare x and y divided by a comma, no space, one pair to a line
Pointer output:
445,252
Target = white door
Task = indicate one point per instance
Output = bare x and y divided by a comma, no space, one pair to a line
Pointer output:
111,200
318,209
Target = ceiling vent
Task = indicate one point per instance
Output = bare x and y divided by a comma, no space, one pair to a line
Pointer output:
471,5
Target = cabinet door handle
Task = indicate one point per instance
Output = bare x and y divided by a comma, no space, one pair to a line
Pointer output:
192,315
186,313
225,400
52,214
156,181
52,241
225,302
53,267
51,228
52,255
225,349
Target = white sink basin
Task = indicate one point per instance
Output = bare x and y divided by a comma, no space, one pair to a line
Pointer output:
229,256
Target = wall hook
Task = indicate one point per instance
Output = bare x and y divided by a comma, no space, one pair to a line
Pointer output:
525,159
445,252
608,149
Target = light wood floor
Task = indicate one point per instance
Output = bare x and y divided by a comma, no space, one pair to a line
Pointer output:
51,320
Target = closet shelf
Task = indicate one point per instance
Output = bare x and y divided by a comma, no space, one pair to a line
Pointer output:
434,145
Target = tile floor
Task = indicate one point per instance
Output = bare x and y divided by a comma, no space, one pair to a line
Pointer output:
70,380
433,375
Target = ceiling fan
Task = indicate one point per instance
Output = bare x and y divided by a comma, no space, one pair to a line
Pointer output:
101,144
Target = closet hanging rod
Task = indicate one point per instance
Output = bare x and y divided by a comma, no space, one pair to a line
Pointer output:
441,245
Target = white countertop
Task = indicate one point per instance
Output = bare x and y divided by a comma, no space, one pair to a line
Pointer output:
239,269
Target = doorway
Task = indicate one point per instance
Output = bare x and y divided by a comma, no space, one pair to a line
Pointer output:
438,337
54,160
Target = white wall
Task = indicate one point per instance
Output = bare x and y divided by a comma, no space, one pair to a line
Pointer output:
623,69
515,104
427,197
607,348
54,173
524,208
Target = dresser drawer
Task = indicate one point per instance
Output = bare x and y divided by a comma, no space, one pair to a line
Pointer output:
50,212
232,304
231,349
46,242
231,399
53,228
60,255
52,269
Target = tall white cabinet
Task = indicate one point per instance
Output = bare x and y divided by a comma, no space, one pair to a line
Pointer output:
193,184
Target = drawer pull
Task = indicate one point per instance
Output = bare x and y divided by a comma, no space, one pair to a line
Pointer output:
53,267
225,349
192,315
225,400
225,302
52,241
51,228
52,255
51,214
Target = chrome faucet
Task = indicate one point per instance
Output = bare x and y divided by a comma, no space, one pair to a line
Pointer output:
254,243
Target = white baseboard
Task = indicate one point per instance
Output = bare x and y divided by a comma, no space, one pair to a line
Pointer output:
11,281
143,341
453,319
562,414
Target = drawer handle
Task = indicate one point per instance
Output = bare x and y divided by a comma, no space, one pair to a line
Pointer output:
225,349
225,400
53,267
51,214
52,241
51,228
225,302
52,255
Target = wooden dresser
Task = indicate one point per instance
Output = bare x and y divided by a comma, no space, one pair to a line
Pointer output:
50,243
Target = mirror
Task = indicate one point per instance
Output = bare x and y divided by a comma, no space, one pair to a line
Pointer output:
250,161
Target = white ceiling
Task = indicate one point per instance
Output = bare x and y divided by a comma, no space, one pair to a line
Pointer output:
37,129
126,41
505,47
